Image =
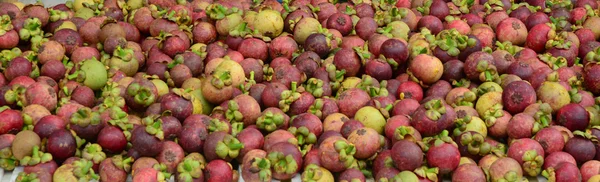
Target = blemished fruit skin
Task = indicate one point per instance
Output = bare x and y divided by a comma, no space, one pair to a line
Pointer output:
300,90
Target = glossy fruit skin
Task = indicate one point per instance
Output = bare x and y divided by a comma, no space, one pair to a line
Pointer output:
407,155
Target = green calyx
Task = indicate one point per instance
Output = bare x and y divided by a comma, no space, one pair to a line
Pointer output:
405,133
493,6
154,126
249,82
486,87
510,176
452,41
217,11
176,61
558,3
228,147
8,55
125,54
262,166
465,83
289,96
79,141
5,24
593,56
180,17
31,27
487,72
281,163
27,177
199,49
461,124
316,108
312,173
390,61
586,135
233,114
119,118
123,163
218,125
346,152
543,117
466,99
303,135
575,96
16,95
463,5
532,163
221,79
112,101
335,75
425,8
7,160
315,87
36,157
428,173
363,53
549,174
93,152
270,121
435,109
475,143
142,95
509,47
492,114
554,62
189,170
242,30
268,72
558,40
111,89
367,84
163,174
384,110
84,117
56,15
436,140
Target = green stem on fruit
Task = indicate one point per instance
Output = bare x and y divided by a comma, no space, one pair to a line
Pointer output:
532,162
316,108
122,163
428,173
346,152
282,163
289,96
233,114
270,121
229,147
315,87
93,152
218,125
405,133
154,126
85,117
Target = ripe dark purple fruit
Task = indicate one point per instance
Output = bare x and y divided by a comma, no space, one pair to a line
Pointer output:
550,139
341,22
517,95
573,116
395,49
444,156
407,155
61,144
581,149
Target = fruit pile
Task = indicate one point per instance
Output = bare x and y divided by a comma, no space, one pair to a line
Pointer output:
261,90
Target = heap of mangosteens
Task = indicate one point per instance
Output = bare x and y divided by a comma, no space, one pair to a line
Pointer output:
310,90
